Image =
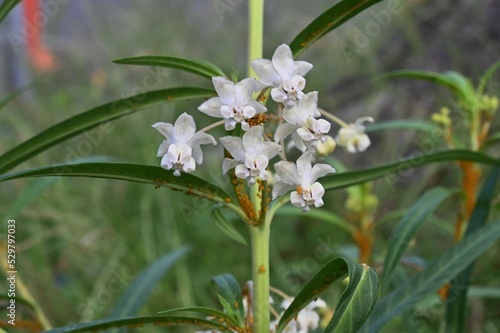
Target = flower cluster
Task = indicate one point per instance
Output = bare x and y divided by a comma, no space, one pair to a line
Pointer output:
299,118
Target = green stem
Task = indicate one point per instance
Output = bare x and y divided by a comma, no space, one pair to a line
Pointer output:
259,233
255,32
260,276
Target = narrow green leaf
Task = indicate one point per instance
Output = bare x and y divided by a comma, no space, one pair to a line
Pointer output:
491,140
457,303
319,214
92,118
452,80
355,303
419,125
6,7
138,322
228,288
407,228
226,226
438,272
486,77
7,99
139,173
199,67
137,293
329,20
403,167
219,316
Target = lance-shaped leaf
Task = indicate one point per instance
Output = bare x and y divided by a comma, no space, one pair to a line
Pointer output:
139,173
229,293
199,67
403,166
226,226
418,125
406,229
326,22
6,6
456,305
137,322
354,305
458,83
441,270
92,118
215,315
136,294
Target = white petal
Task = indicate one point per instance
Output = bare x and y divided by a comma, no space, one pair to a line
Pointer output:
184,128
261,162
166,163
299,143
363,141
211,107
243,91
228,164
320,170
163,148
241,171
302,67
167,130
317,192
281,188
197,154
283,131
304,167
345,135
229,124
266,72
361,120
225,89
309,104
321,126
201,138
227,112
306,135
249,111
283,62
259,108
295,115
269,149
298,82
252,138
278,95
287,172
235,147
297,200
190,166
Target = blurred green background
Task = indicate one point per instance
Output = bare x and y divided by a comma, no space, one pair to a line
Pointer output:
75,235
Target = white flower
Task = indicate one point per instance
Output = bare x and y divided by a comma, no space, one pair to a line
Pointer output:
181,148
251,154
234,104
353,136
302,176
284,74
307,319
301,122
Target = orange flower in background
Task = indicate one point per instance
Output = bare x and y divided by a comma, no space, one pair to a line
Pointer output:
40,56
